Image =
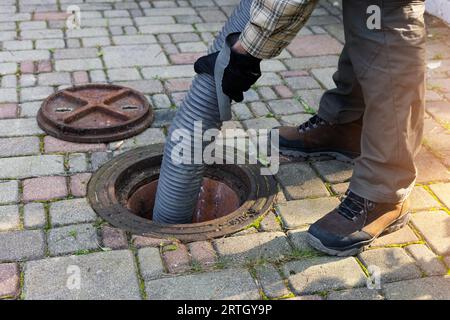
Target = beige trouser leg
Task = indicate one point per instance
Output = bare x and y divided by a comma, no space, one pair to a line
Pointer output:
387,67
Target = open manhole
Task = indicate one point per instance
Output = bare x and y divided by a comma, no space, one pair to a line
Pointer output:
95,113
233,196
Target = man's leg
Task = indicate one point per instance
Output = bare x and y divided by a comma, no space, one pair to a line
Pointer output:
336,130
389,65
393,85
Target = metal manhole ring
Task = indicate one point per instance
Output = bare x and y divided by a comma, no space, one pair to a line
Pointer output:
95,113
112,182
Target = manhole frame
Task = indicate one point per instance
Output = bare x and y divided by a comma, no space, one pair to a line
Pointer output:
125,130
102,197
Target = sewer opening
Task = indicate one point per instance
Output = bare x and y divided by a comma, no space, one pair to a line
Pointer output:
233,196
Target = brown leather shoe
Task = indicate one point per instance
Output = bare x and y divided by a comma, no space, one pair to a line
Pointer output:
316,137
355,223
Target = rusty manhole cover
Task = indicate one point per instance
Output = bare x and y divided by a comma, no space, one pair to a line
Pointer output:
123,192
95,113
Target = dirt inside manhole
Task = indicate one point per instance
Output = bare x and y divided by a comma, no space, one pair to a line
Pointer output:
216,199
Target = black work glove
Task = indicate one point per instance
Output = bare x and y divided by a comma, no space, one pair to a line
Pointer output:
241,72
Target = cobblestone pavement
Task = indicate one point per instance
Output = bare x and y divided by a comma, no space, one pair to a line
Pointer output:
49,234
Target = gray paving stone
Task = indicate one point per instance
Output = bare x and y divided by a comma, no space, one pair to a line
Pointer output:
261,123
30,109
21,245
311,62
269,79
9,217
71,211
270,223
24,55
355,294
262,245
8,68
427,260
50,43
393,264
298,213
311,98
325,77
176,71
298,240
432,288
123,74
27,80
99,158
295,119
24,167
19,127
78,64
231,284
304,82
144,86
35,93
334,171
77,53
271,281
134,55
434,226
77,162
149,136
34,215
54,78
104,276
421,199
134,39
403,236
323,274
241,111
442,191
9,191
18,45
285,106
96,42
73,238
161,101
8,95
41,34
300,181
150,263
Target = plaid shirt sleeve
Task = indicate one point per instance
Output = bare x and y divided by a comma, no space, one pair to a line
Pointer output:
273,24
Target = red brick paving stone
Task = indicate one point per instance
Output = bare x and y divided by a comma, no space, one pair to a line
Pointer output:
78,184
294,73
8,110
141,241
50,16
202,252
27,67
44,66
80,77
284,92
55,145
44,188
9,280
175,85
177,260
114,238
185,58
313,45
429,168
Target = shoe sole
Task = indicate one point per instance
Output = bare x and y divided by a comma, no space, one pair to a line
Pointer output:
360,246
311,155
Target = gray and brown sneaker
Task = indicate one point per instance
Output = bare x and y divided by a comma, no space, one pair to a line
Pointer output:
317,137
356,223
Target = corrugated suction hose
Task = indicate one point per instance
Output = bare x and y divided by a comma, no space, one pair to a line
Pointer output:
179,183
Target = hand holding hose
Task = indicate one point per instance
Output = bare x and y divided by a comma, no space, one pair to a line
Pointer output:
239,75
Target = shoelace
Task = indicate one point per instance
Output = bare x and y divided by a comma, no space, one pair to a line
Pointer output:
313,122
352,206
